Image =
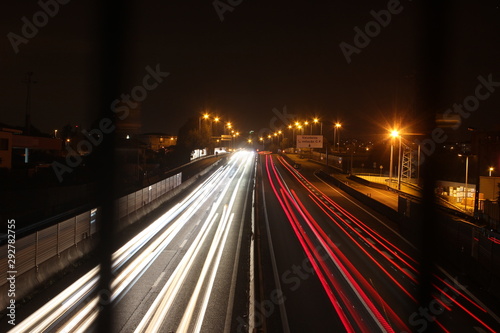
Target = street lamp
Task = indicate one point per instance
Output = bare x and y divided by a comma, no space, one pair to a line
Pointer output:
216,121
335,130
316,121
490,170
204,116
394,134
466,179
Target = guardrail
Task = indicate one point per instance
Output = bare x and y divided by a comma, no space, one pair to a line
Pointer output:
41,246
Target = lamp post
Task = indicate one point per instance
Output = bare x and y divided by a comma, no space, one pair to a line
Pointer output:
399,164
337,133
216,121
490,170
466,179
205,116
316,121
394,134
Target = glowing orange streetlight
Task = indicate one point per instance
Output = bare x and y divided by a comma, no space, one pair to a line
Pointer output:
316,121
395,134
336,132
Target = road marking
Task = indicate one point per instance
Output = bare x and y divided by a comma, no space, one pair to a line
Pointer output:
283,315
386,254
371,241
183,243
376,218
158,279
491,313
410,273
229,311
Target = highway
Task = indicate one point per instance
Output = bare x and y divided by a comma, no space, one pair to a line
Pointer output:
262,247
337,267
188,271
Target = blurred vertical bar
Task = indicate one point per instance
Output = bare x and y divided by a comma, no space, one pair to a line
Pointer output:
112,19
433,39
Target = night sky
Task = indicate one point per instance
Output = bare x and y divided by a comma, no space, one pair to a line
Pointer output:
263,55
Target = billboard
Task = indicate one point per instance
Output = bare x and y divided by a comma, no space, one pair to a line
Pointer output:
309,141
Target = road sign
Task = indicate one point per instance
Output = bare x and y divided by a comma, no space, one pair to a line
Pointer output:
309,141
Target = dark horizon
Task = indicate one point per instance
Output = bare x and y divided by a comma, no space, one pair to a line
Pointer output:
261,57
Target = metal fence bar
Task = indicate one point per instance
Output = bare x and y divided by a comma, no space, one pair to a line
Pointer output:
34,249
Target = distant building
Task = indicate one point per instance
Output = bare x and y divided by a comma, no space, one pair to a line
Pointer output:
12,140
6,149
157,141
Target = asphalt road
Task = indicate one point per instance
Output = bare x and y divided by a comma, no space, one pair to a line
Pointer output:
262,247
337,266
188,271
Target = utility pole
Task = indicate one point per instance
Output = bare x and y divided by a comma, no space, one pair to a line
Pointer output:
29,81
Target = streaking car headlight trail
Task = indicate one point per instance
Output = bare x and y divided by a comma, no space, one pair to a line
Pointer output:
132,259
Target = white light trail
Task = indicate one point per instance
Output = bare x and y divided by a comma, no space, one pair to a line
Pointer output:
154,318
55,310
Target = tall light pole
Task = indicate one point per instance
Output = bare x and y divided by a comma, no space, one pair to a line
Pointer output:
394,134
490,170
337,131
399,163
316,121
216,121
204,116
466,179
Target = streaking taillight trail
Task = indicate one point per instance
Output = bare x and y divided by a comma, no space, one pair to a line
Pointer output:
397,265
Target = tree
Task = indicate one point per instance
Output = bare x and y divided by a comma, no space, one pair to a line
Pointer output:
192,135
